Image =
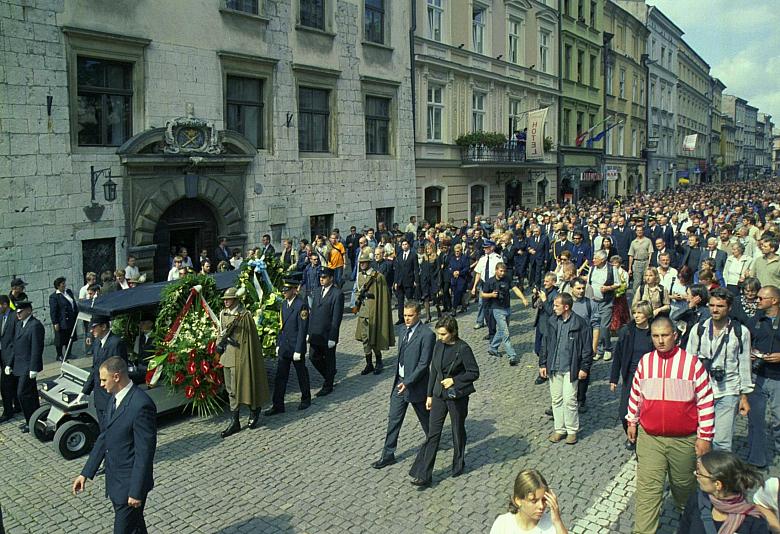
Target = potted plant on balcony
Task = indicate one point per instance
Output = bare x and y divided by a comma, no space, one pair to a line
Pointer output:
475,143
548,143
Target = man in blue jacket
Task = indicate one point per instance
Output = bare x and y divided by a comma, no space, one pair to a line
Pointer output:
127,443
291,348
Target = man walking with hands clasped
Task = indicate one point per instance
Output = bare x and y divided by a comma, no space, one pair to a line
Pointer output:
411,380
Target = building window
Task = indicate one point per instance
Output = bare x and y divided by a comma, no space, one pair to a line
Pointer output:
105,96
245,6
313,13
478,29
652,94
432,208
609,79
435,110
566,121
592,71
621,140
478,112
385,216
580,122
377,125
593,11
435,13
515,115
634,88
320,225
567,7
663,54
581,10
244,101
375,21
641,92
477,200
580,66
514,41
634,143
592,122
567,61
544,49
622,86
98,255
313,119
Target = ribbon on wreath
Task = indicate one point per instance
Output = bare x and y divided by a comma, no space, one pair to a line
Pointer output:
173,331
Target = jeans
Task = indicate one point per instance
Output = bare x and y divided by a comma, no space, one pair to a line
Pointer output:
563,393
767,391
725,412
501,317
605,316
481,309
337,276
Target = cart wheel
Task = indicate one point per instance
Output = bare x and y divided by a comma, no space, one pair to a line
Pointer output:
37,423
74,439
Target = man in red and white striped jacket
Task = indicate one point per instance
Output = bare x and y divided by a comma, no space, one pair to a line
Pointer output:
671,400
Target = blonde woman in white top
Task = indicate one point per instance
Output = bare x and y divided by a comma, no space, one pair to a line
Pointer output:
528,508
737,267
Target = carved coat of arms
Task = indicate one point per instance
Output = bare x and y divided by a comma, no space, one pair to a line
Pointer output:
190,135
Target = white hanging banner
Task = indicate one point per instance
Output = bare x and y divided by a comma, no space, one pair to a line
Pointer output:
534,145
689,143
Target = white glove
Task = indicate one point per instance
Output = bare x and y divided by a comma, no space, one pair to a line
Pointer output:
80,398
277,351
331,344
296,356
33,374
8,370
307,338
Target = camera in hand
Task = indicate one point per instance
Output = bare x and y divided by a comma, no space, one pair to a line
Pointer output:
718,374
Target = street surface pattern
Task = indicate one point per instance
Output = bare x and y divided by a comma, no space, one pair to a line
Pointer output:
310,472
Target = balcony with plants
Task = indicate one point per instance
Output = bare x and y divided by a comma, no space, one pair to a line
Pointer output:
494,148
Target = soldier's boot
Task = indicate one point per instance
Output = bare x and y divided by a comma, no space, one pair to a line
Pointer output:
233,427
378,367
369,366
254,419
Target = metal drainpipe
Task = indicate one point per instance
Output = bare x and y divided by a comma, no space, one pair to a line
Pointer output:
413,85
560,99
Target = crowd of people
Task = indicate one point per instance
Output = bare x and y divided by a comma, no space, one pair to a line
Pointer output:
686,281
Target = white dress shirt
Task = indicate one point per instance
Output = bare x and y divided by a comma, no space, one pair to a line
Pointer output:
122,393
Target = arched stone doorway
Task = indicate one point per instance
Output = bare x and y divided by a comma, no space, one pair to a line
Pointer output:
188,223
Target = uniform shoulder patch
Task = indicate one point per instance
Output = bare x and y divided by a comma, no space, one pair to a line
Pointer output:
305,314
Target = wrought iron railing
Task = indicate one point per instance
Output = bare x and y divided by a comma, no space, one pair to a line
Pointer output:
512,151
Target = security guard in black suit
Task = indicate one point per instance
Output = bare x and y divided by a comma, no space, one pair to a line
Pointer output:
291,348
327,311
27,359
8,382
127,443
105,345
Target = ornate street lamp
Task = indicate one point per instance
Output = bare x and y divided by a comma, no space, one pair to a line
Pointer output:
95,211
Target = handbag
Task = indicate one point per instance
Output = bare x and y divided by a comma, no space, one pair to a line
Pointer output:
450,392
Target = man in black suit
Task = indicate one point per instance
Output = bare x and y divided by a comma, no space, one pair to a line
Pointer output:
326,313
27,359
712,251
666,230
63,311
411,380
622,236
105,345
690,254
127,444
291,348
222,252
407,276
659,247
267,249
8,382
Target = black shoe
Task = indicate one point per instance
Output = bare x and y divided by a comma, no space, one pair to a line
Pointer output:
368,370
233,427
25,429
273,410
383,462
540,380
456,474
513,362
548,412
420,483
254,419
378,369
324,392
582,408
22,426
5,418
630,446
492,353
304,404
59,358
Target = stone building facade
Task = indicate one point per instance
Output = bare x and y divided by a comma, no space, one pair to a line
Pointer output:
215,117
734,107
693,104
481,67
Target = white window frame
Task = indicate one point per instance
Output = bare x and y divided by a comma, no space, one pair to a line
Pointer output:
621,140
544,49
634,87
435,12
479,17
478,105
515,113
622,84
610,74
514,32
608,140
435,115
634,140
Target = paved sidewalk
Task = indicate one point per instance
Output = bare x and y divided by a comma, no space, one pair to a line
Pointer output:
310,471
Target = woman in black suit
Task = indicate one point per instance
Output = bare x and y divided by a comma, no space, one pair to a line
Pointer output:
634,341
453,372
63,311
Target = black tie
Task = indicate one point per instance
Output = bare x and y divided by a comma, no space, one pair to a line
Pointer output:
112,409
487,266
323,292
407,336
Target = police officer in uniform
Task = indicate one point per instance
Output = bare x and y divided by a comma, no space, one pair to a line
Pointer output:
291,348
327,310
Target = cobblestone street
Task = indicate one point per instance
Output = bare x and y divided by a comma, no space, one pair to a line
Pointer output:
310,471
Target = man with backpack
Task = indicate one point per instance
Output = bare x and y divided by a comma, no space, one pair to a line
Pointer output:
602,282
587,309
722,344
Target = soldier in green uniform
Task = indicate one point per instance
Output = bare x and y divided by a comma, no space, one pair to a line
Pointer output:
374,314
242,360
